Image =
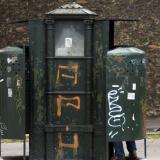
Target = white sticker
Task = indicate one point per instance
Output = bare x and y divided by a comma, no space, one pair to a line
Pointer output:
134,86
68,42
131,96
10,94
133,117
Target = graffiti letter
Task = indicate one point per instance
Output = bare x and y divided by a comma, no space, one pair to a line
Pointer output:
68,103
74,76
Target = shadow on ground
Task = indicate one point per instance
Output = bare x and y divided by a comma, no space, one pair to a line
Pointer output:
16,158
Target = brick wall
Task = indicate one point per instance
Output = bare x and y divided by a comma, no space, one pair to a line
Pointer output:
144,34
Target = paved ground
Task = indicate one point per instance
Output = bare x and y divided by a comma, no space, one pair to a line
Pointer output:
153,149
153,123
13,149
153,146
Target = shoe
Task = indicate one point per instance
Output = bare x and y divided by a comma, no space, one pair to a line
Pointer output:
133,155
118,158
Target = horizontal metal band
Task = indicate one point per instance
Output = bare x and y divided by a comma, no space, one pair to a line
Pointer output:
99,129
53,28
68,93
69,58
69,128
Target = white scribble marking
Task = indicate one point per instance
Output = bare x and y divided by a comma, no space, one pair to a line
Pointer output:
3,128
1,80
115,86
110,133
144,60
11,60
122,92
112,136
116,116
133,117
136,61
120,89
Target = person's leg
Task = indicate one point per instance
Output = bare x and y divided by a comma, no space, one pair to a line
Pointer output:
131,147
119,151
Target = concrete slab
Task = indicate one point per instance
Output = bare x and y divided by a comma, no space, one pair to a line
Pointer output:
13,149
153,123
153,146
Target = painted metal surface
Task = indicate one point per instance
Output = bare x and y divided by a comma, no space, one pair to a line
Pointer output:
72,8
12,93
68,119
102,43
69,93
125,80
38,116
70,84
62,94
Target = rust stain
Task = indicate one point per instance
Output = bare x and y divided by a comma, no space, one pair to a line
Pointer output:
68,103
75,144
74,77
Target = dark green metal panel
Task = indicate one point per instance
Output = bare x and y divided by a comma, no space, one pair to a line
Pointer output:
77,115
101,46
69,90
28,89
70,142
60,67
12,93
125,88
37,51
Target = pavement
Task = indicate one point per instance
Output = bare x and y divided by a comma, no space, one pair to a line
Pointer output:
153,145
153,124
13,149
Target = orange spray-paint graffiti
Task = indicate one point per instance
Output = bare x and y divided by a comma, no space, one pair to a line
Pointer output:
70,102
63,145
74,145
74,76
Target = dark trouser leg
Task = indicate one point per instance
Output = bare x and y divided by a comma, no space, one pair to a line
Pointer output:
131,146
119,151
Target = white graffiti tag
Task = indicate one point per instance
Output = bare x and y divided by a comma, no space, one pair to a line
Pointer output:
116,116
3,128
